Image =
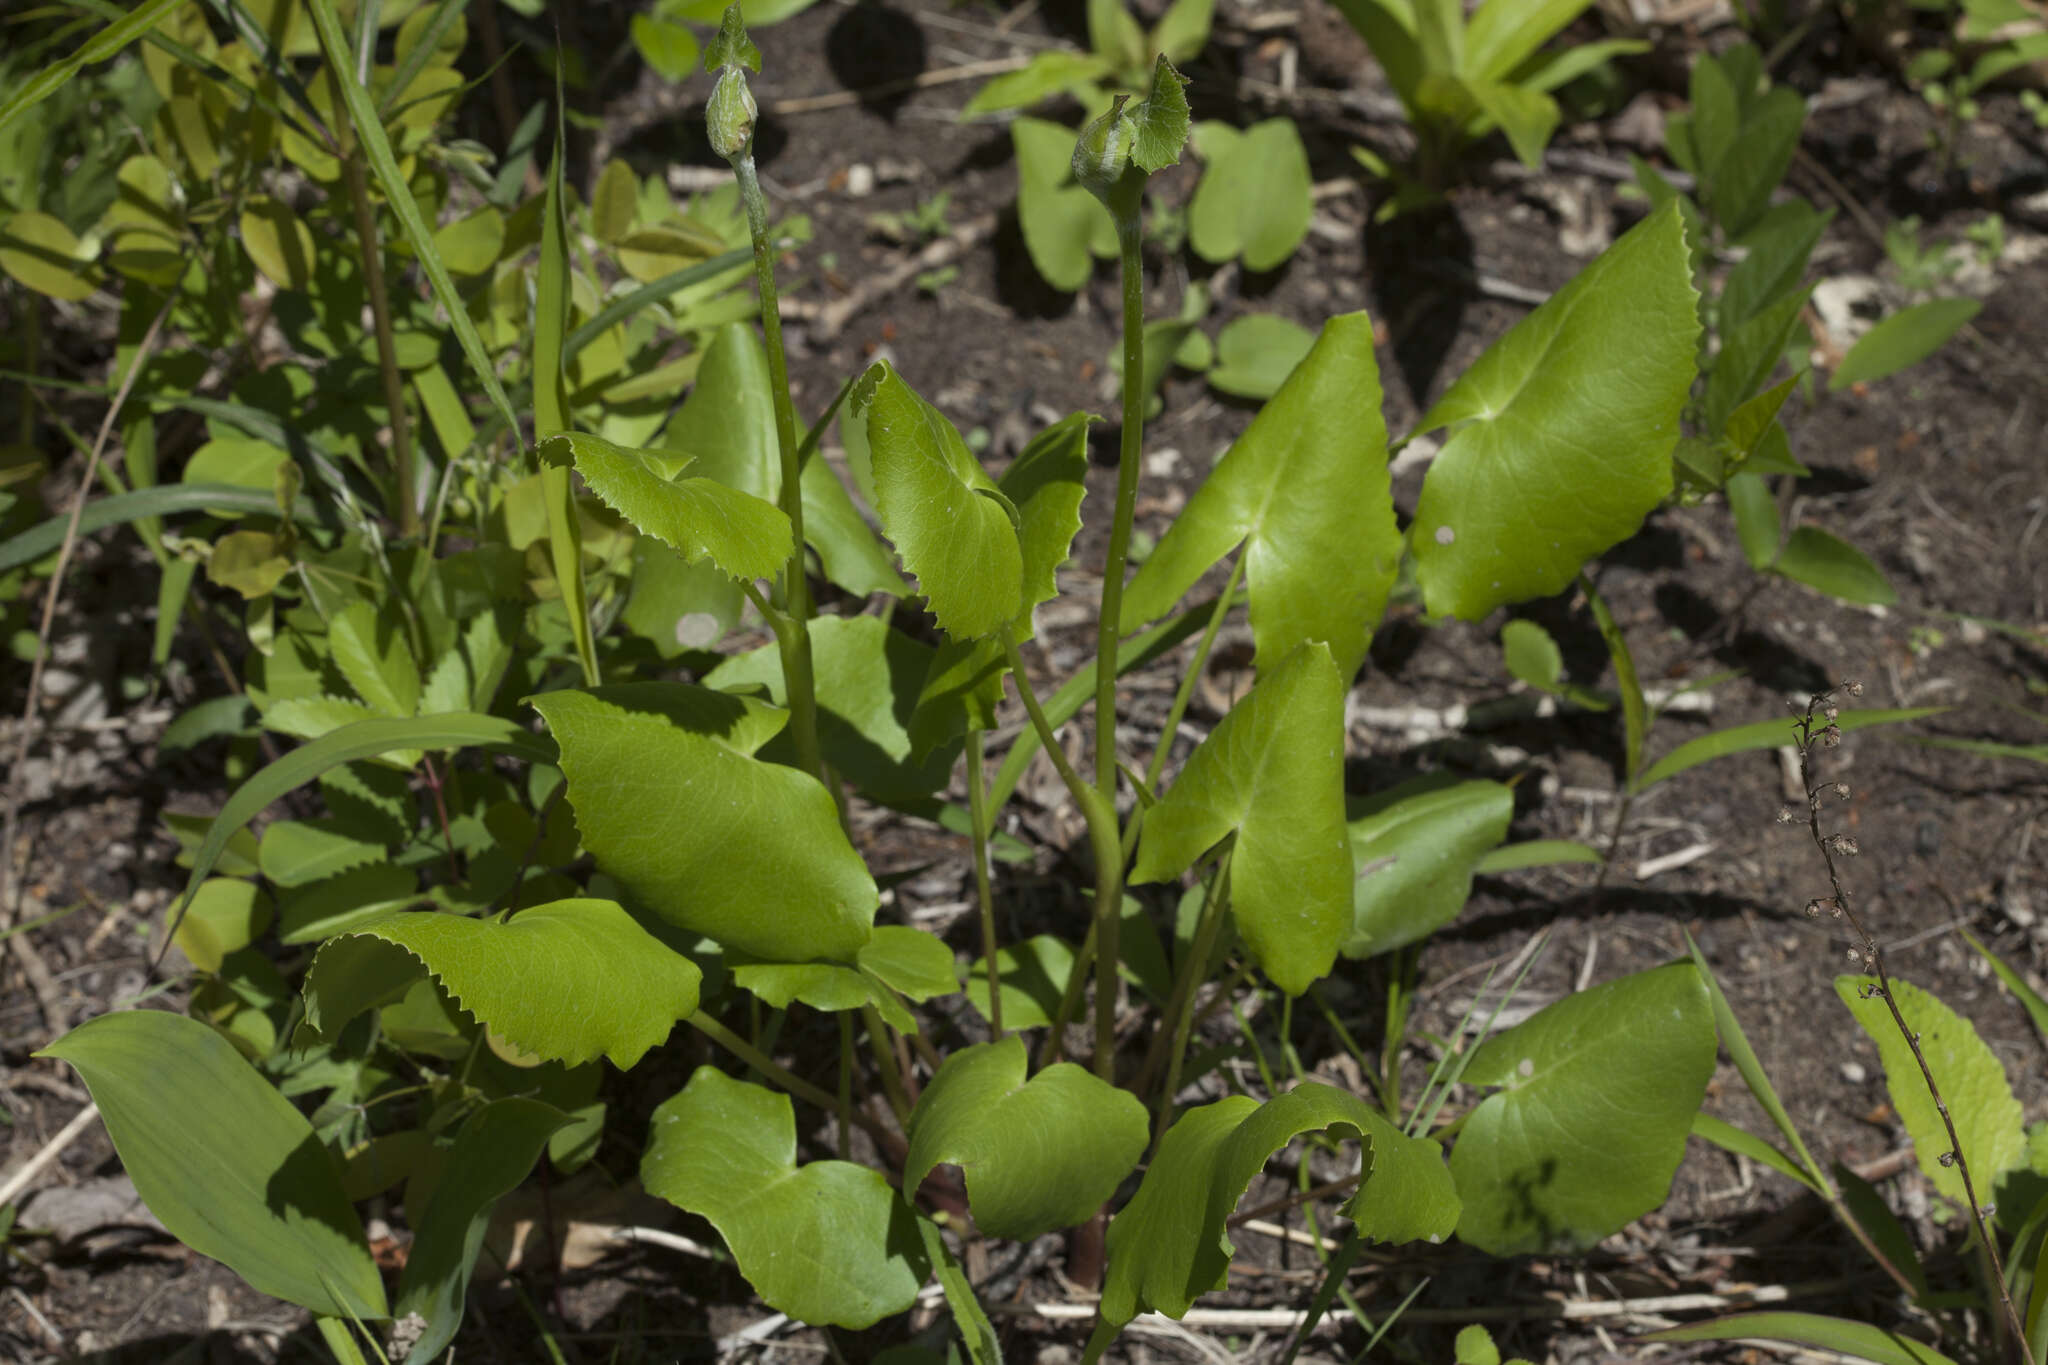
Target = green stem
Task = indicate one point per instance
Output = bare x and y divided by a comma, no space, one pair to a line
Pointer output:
788,1080
1109,626
387,348
845,1085
885,1062
792,633
978,818
1186,690
1100,813
1192,971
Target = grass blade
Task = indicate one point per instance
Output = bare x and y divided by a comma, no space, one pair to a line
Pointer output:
97,48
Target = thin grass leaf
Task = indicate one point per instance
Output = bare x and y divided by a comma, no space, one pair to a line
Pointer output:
1763,734
163,500
363,739
551,405
626,305
199,62
1859,1339
97,48
1753,1074
1742,1142
247,27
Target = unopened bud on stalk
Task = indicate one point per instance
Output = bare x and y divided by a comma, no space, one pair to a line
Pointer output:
729,118
1103,152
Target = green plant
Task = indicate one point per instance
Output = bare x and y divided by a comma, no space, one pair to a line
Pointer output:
1460,77
438,965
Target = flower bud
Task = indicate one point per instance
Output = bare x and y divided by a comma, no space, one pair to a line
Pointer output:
729,118
1102,154
1845,845
1853,688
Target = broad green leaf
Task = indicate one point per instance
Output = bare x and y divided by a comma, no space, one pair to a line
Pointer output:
163,500
671,802
1525,114
1170,1244
1562,430
1749,352
308,914
40,252
1038,1154
1534,658
1254,198
1306,489
670,49
1503,34
1820,559
615,203
1031,974
1763,734
370,650
936,505
1862,1340
960,693
565,982
494,1152
1756,519
828,1242
728,421
278,241
1114,35
295,852
1777,249
1414,848
896,960
241,461
1737,184
226,916
364,739
1162,119
867,678
1054,72
1905,338
251,563
1273,773
1600,1092
1059,219
743,536
232,1169
1046,483
849,552
1973,1084
1183,30
1256,353
470,245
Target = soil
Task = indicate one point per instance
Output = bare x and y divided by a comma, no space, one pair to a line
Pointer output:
1937,473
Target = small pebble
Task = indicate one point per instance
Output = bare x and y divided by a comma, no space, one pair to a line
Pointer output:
1853,1073
860,180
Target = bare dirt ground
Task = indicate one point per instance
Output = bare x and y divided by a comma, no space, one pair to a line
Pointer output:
1938,473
